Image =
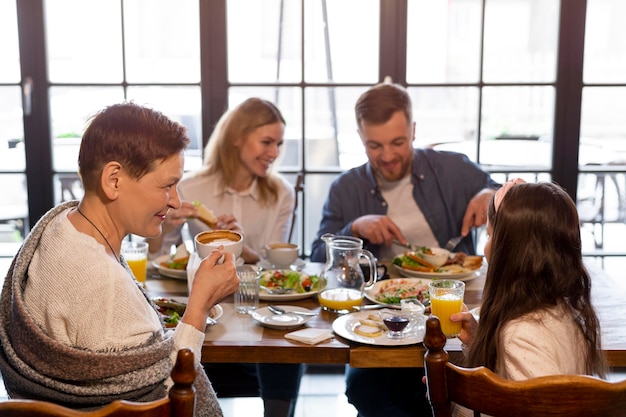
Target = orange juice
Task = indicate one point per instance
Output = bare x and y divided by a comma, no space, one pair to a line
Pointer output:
138,266
444,306
340,299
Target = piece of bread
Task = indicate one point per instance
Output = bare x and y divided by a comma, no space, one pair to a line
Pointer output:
373,323
473,262
368,331
205,215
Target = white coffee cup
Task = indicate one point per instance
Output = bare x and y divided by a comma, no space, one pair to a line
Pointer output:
209,240
281,254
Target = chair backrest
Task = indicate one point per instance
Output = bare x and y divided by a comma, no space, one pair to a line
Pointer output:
299,188
179,403
482,391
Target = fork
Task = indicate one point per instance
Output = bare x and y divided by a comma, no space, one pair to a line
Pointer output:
453,243
277,290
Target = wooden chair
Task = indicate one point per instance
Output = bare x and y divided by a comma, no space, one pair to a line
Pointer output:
299,188
179,403
482,391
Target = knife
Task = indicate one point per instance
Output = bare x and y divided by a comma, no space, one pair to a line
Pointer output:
376,307
409,246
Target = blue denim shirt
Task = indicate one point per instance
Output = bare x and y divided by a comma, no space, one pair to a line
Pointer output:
443,185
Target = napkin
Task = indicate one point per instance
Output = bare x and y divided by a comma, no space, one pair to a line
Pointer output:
192,266
310,336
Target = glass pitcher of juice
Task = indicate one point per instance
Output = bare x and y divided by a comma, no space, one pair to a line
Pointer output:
341,279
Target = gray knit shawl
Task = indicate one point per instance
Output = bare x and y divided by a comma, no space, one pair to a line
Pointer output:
35,366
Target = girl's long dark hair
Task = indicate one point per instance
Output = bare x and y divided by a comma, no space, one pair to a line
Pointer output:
535,263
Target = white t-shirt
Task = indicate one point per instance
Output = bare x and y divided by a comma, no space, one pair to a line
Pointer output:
406,214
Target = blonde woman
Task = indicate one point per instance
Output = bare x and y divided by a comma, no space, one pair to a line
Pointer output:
238,185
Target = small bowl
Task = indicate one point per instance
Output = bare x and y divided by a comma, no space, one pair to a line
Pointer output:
438,257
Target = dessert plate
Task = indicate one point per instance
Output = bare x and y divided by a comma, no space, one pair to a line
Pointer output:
281,321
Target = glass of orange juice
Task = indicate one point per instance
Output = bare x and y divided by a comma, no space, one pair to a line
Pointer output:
446,298
136,256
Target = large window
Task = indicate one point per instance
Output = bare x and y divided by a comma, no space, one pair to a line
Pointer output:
500,80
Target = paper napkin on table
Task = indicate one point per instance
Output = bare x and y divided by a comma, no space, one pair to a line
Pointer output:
310,336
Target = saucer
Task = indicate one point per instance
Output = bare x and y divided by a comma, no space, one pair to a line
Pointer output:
281,321
298,265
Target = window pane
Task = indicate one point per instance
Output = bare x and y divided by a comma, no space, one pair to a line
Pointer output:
83,40
70,109
261,47
605,41
517,126
181,104
9,47
445,114
289,102
162,41
316,188
13,213
443,41
521,40
332,141
603,127
601,202
341,46
11,130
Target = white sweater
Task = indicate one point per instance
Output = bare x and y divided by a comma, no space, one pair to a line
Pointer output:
83,298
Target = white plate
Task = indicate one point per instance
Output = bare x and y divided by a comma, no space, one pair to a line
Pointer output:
216,312
370,293
461,276
168,272
298,265
344,325
281,321
292,296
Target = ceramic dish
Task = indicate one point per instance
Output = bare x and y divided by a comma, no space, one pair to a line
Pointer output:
344,326
281,321
216,312
279,278
168,272
461,276
293,296
298,265
409,285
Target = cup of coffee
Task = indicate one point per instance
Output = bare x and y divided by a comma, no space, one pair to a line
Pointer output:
281,254
209,240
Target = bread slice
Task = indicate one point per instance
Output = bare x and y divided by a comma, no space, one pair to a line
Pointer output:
205,215
373,323
473,262
368,331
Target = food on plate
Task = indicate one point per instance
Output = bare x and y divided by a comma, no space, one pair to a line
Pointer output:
171,311
376,322
367,330
459,262
394,290
288,279
178,260
414,261
205,215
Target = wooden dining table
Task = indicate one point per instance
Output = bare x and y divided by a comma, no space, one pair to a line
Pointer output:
239,338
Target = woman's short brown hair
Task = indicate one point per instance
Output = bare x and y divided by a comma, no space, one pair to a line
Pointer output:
133,135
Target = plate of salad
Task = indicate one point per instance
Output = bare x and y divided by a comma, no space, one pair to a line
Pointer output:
301,285
391,291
